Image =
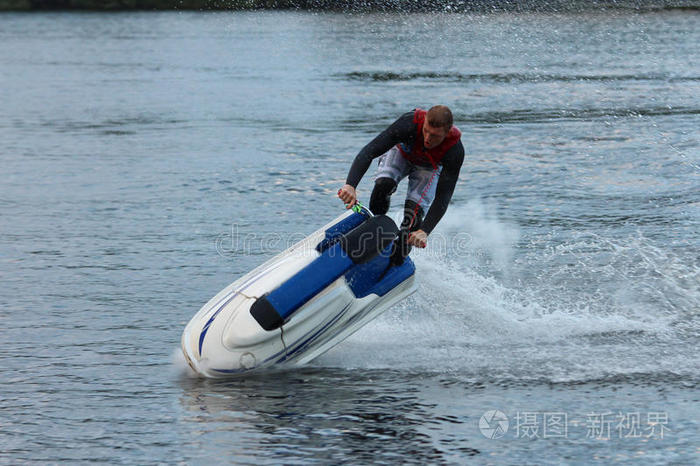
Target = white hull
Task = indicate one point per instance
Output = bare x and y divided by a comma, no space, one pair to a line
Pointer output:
225,338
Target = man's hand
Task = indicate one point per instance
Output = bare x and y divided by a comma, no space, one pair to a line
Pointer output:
347,195
418,238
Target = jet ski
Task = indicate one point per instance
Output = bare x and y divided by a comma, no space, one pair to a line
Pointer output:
304,301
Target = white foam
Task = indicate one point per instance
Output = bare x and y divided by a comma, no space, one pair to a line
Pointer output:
463,318
474,228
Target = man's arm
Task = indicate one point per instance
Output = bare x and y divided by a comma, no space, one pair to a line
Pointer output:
399,131
451,164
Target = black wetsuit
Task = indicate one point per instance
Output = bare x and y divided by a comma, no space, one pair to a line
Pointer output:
404,130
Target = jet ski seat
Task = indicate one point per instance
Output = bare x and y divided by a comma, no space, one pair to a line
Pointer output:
339,254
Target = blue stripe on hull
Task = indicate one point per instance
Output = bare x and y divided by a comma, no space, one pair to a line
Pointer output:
295,349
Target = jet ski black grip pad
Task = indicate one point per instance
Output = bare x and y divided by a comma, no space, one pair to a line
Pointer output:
366,241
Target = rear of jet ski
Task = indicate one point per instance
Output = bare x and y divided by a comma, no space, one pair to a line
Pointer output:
302,302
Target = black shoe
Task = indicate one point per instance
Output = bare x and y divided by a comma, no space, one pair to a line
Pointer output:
400,249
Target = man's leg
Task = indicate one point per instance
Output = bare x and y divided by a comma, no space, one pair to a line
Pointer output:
422,183
392,169
381,195
412,219
412,216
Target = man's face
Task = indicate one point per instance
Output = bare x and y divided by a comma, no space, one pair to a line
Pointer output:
433,136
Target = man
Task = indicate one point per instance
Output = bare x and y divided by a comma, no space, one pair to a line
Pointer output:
423,146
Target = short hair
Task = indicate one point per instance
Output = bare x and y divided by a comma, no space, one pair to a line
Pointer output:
440,116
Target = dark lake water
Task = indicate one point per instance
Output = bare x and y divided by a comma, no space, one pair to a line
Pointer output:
561,289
